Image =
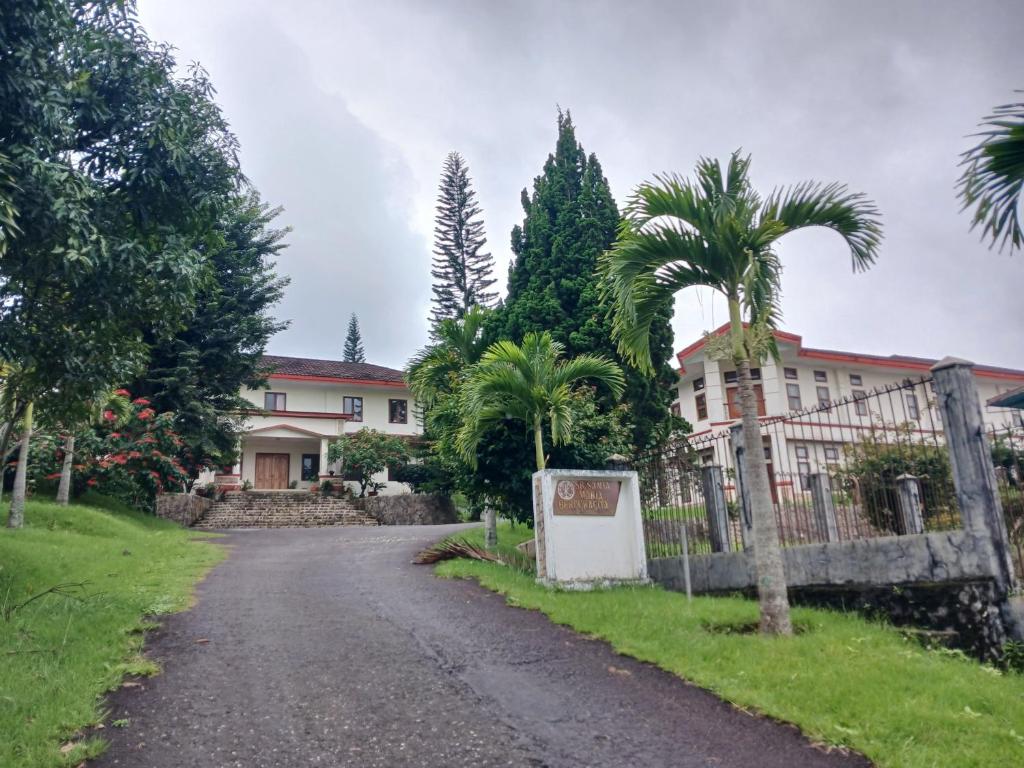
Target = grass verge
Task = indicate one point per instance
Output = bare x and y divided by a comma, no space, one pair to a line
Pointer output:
843,680
62,651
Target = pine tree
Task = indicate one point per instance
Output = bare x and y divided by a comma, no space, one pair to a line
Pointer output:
354,342
462,274
570,219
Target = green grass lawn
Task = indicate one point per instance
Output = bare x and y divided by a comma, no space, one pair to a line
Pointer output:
60,653
845,681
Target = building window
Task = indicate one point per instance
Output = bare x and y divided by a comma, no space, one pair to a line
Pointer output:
353,406
821,376
823,397
702,407
736,408
398,411
831,453
755,374
675,410
803,467
793,393
698,384
790,373
860,402
274,401
912,410
310,467
730,377
855,380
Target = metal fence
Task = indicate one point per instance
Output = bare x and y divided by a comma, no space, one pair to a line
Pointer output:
857,468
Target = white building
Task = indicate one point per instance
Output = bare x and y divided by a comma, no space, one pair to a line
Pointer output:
835,395
309,404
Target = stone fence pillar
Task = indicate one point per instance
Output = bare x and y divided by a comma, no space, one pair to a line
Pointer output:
824,506
740,459
713,487
971,458
908,497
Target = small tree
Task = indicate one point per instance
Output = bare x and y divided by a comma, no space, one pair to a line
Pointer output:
366,453
354,342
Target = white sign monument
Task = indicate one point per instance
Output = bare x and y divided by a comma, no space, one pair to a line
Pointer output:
588,528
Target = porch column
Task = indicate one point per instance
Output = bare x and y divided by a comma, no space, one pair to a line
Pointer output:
324,444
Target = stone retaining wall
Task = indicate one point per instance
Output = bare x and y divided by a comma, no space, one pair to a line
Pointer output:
410,509
184,508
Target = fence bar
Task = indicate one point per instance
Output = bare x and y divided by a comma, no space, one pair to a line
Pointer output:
824,507
713,486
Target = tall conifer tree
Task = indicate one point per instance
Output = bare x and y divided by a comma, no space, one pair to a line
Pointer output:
354,342
570,219
463,274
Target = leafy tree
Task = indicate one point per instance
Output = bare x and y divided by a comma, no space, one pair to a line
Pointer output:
993,178
435,370
198,372
529,383
366,453
716,231
114,172
570,219
462,274
354,342
129,454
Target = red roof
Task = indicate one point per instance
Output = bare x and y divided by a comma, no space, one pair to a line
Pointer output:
856,358
281,367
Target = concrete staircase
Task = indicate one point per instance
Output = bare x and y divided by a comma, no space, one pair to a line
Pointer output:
281,509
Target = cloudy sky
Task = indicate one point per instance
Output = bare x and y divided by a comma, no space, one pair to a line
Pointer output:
345,111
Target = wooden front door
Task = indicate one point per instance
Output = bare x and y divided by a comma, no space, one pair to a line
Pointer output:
272,470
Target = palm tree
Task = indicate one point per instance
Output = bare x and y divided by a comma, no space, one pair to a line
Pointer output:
993,179
435,369
530,383
716,231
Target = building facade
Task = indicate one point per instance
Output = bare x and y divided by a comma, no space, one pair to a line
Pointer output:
309,404
814,402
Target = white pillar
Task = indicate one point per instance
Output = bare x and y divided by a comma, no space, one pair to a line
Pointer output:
713,388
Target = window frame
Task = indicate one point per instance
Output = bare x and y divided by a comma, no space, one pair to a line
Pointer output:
348,407
700,401
698,384
821,376
405,410
825,401
913,406
860,402
735,377
790,389
283,400
856,380
795,374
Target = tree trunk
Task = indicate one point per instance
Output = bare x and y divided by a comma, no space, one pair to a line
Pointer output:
490,526
16,517
538,442
64,489
771,578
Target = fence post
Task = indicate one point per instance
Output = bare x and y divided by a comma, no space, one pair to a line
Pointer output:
713,488
739,456
824,506
908,495
971,458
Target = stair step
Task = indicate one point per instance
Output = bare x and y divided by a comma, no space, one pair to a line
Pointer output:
282,509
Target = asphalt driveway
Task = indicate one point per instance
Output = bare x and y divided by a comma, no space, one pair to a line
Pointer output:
326,647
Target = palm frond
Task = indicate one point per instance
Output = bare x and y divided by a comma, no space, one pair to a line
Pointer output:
811,204
993,178
593,367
